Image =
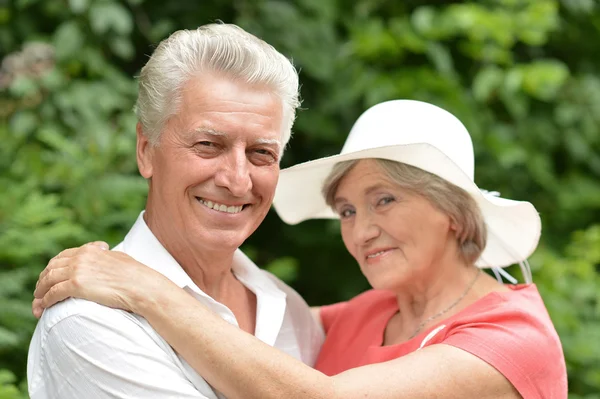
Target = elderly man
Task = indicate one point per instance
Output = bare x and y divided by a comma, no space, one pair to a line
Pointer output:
215,108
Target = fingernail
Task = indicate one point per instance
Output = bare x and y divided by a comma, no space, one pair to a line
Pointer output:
100,244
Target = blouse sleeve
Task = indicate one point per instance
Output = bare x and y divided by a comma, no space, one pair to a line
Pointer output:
330,313
523,346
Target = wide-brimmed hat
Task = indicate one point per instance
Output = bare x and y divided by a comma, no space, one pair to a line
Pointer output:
426,136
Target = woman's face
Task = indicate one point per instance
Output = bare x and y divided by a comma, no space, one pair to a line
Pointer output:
396,236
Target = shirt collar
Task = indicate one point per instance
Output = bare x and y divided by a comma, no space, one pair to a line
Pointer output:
141,244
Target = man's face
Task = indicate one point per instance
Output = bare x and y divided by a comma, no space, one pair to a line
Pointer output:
214,171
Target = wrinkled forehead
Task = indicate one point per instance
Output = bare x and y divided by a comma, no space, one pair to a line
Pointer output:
222,107
355,176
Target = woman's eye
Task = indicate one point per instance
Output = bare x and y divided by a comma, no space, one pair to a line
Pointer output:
346,213
385,200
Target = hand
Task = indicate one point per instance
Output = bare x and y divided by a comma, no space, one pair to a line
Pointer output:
92,272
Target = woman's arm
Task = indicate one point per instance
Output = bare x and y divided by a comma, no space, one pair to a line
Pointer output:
241,366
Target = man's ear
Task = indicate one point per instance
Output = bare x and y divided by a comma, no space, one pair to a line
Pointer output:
144,152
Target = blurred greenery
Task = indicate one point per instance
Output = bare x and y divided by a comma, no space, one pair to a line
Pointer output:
523,75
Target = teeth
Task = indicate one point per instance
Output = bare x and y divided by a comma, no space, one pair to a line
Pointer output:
221,207
374,255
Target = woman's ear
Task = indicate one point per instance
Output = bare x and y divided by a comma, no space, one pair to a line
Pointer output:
457,229
144,152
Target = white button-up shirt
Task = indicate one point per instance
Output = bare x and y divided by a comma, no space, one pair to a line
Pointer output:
82,350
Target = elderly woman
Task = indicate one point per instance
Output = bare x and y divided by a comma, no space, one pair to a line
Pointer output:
434,325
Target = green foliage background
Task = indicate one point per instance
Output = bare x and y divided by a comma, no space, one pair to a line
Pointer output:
523,75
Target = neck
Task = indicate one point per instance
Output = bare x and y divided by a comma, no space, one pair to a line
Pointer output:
435,297
209,268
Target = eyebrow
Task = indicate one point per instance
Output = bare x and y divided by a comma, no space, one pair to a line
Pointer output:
210,131
338,200
274,142
375,188
368,191
218,133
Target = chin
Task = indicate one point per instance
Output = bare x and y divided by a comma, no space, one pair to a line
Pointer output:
221,239
385,283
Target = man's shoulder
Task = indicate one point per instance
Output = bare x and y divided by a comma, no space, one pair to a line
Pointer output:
73,307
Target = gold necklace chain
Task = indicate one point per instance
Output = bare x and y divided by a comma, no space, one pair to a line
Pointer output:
435,316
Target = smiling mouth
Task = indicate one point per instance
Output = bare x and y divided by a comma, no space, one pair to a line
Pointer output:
378,253
222,207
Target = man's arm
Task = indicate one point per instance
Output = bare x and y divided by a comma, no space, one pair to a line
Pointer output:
104,354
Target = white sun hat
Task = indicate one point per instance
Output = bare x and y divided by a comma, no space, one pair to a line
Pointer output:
430,138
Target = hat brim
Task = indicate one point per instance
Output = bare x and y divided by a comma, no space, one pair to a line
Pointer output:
514,227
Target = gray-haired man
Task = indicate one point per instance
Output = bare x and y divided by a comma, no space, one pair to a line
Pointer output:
215,108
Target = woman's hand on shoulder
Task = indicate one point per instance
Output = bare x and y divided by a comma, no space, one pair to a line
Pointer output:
92,272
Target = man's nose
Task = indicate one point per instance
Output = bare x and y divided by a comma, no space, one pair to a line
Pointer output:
234,173
365,228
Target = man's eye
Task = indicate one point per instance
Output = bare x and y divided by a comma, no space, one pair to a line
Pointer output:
206,143
262,155
262,151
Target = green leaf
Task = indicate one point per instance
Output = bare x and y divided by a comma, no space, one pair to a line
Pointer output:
79,6
8,338
68,40
6,377
373,41
487,82
4,15
285,268
544,79
580,6
423,19
441,58
105,16
25,3
122,47
23,86
24,123
161,29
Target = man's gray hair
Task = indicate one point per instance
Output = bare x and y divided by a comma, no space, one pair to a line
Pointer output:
450,199
220,48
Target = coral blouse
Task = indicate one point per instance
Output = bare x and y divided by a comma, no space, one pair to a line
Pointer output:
511,331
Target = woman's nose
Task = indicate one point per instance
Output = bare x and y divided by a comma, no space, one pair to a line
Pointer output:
365,228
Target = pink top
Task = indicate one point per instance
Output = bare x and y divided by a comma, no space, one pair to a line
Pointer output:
511,331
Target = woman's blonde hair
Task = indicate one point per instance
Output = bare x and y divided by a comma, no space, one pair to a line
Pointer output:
447,197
